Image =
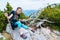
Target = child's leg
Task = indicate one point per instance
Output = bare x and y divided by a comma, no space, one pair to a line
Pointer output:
21,29
25,26
18,23
20,26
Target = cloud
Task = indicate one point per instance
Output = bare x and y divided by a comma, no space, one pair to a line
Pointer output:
34,0
27,4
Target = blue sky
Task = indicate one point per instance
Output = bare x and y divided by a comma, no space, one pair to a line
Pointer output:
27,4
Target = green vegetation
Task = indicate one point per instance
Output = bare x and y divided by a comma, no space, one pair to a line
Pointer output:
2,22
52,13
8,8
1,38
22,16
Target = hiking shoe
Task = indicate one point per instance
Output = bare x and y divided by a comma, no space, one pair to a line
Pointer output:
33,31
23,36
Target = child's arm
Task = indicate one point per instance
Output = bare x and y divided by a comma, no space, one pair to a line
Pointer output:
8,17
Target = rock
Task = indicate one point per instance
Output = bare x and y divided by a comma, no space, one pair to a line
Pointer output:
39,34
56,32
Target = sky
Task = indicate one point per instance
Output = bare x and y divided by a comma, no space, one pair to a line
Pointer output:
27,4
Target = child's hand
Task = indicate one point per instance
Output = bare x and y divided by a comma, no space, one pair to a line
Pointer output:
6,14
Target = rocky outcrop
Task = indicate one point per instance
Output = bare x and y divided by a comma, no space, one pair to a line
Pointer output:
40,34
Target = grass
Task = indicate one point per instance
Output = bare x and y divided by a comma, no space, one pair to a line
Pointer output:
1,38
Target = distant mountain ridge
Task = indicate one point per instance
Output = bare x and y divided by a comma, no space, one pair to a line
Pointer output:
29,12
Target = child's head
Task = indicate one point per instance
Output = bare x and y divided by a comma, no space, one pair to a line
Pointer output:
19,10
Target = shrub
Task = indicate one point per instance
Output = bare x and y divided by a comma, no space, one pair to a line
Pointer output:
52,14
2,22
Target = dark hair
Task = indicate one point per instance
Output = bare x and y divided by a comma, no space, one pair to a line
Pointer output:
19,8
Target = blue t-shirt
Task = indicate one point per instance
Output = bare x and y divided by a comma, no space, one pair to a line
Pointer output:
15,17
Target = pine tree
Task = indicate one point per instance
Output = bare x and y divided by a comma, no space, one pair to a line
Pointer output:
8,7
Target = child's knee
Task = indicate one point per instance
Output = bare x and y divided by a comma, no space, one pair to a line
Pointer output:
18,22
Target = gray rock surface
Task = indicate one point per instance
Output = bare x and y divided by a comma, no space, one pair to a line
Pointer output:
40,34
